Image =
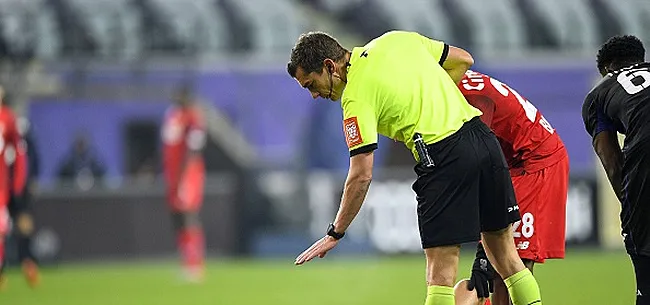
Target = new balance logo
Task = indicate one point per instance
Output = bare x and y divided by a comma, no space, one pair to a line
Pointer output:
364,53
638,293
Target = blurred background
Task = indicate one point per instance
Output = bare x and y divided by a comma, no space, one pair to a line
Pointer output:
92,79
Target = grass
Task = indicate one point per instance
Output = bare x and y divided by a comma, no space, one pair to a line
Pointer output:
584,277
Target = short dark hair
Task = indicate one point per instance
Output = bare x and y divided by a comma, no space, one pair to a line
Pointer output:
619,52
311,50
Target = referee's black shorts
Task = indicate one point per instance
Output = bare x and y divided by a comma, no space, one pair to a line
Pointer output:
467,192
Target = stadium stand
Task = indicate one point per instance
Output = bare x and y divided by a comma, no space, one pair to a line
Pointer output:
195,24
113,24
499,28
634,16
573,22
418,15
128,29
27,29
275,24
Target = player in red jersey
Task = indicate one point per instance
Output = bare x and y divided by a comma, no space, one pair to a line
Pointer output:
539,167
183,138
10,183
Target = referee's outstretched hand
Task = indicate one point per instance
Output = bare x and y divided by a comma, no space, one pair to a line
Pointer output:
318,249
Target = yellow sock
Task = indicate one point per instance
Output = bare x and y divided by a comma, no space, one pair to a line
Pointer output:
440,295
523,288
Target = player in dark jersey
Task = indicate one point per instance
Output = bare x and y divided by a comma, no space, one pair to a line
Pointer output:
539,167
620,102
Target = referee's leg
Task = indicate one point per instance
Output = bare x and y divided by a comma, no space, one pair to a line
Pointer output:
498,211
442,265
448,212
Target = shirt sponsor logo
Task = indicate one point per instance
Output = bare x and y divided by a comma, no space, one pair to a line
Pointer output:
352,133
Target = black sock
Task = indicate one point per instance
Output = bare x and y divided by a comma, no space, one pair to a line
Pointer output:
24,247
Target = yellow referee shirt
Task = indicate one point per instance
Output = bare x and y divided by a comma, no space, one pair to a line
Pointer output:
396,87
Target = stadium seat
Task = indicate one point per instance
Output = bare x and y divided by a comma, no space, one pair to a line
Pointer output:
114,25
572,22
497,26
275,24
28,28
634,16
538,29
75,39
365,17
422,16
196,24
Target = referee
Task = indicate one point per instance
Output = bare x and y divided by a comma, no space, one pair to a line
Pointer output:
403,85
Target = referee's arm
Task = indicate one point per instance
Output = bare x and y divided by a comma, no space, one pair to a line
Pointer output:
356,188
456,62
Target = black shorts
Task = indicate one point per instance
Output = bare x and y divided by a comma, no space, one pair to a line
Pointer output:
635,212
642,275
467,192
18,205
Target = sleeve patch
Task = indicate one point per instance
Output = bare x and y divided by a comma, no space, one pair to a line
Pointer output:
352,133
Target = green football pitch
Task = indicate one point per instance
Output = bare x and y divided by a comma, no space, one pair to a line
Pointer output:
584,277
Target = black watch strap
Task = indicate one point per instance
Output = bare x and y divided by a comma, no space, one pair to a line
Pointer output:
331,232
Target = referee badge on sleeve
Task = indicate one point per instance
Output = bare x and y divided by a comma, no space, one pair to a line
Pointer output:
352,133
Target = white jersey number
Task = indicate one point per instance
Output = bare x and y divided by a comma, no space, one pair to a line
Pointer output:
626,77
527,226
529,108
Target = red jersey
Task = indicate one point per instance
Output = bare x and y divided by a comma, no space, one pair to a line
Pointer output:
12,150
528,141
183,138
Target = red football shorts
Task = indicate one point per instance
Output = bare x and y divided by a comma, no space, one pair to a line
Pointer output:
190,189
542,197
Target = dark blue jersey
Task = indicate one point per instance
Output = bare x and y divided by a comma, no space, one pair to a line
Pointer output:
621,102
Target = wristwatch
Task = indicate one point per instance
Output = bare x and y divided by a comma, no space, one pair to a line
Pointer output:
331,232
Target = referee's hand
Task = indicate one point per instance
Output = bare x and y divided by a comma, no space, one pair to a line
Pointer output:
318,249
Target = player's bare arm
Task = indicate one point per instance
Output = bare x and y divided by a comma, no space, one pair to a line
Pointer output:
458,61
356,188
609,151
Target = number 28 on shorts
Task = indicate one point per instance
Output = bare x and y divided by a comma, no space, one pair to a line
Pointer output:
526,228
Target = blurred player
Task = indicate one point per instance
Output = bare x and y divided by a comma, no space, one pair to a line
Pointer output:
19,203
620,102
11,184
403,85
539,167
183,138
